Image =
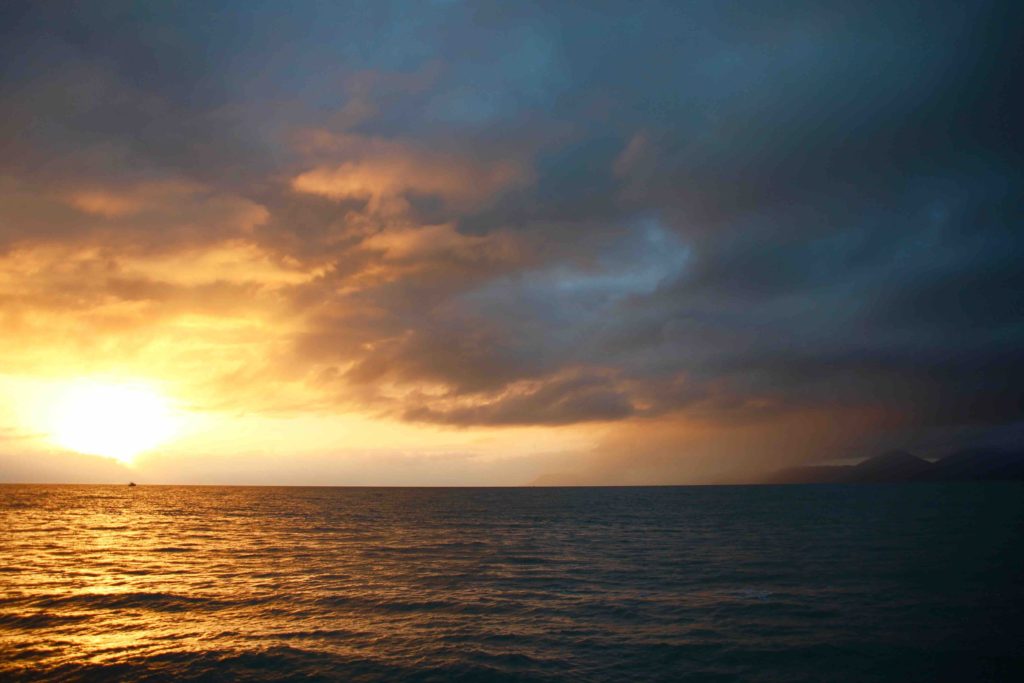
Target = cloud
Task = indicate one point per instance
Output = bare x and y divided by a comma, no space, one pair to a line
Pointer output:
385,172
569,398
161,215
487,219
188,202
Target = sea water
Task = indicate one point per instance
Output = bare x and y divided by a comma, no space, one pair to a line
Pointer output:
799,583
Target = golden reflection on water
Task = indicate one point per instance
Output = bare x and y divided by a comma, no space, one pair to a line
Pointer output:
224,583
121,574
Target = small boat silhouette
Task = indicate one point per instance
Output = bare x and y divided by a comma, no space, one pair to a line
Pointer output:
131,483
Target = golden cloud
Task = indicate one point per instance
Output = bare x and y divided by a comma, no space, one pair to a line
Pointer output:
381,170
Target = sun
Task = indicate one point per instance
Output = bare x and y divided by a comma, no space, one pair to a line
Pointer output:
112,420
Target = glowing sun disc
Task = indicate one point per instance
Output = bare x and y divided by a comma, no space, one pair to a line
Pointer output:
112,420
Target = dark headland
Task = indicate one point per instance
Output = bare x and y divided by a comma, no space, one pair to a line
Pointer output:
900,466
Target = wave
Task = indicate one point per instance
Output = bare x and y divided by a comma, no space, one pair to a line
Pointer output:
40,619
156,601
270,664
478,585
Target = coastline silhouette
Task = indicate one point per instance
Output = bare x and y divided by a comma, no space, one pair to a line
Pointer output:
901,466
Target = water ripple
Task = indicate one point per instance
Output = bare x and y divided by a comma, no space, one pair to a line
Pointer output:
717,584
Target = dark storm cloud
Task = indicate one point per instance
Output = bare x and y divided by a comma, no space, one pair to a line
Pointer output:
576,397
549,213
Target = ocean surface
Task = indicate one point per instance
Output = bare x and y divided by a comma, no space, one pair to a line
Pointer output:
918,582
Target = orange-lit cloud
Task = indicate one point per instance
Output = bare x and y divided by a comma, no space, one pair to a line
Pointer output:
382,171
424,238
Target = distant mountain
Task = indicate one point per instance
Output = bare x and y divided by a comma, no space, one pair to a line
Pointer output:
892,466
978,465
900,466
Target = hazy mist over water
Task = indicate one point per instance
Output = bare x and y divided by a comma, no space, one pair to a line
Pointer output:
839,583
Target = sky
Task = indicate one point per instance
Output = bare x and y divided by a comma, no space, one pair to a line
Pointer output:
473,243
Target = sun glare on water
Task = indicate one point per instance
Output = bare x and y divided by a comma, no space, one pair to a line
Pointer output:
116,421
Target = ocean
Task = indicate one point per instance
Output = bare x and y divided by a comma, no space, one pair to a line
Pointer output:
913,582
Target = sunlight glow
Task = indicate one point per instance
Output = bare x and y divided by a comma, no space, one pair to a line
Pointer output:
113,420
